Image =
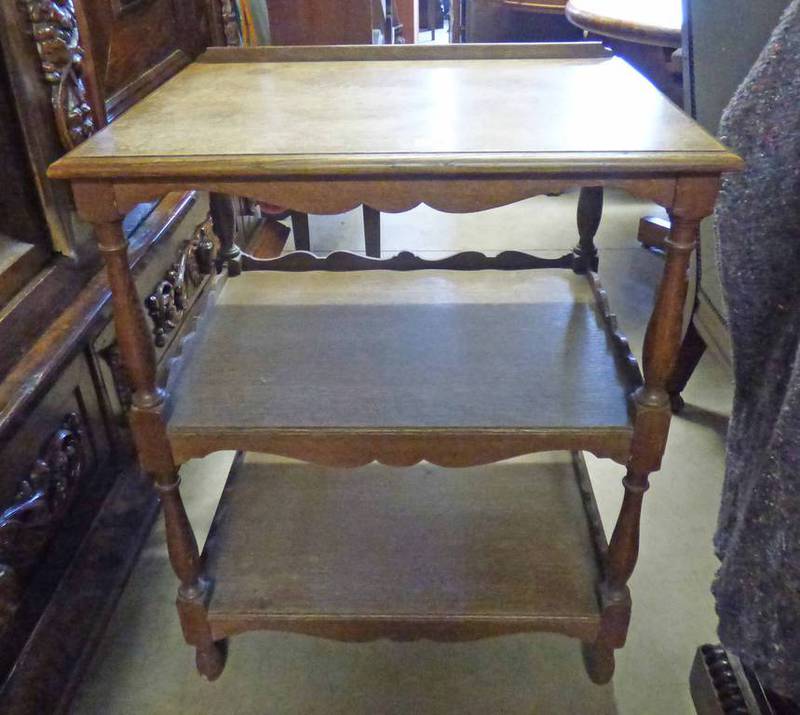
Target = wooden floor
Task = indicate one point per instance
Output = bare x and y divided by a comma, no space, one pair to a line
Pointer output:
420,552
394,351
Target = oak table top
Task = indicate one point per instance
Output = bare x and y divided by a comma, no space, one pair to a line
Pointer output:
533,110
650,22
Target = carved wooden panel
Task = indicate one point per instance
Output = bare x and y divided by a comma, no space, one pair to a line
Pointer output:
172,296
55,31
49,490
135,45
43,497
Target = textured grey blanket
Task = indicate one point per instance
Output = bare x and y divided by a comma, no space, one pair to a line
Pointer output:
758,223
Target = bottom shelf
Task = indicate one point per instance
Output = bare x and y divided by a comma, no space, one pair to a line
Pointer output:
421,552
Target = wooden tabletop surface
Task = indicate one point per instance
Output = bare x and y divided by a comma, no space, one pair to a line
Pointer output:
652,22
335,111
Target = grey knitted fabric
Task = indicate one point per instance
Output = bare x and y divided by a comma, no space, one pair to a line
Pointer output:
757,588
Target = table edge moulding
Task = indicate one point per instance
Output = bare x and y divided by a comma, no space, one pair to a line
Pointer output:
683,177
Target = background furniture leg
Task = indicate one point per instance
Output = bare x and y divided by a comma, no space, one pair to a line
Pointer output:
598,659
590,211
372,231
692,349
223,215
302,238
653,232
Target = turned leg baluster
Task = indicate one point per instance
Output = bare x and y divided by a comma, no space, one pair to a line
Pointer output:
661,345
590,211
193,592
155,455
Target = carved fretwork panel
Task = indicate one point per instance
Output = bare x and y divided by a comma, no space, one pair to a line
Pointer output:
172,296
55,31
170,283
43,498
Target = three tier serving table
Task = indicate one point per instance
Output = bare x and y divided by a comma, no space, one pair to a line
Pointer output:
381,407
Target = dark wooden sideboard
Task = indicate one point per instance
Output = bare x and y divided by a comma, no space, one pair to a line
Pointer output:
66,458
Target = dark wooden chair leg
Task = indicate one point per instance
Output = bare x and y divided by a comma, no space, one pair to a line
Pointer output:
590,211
302,238
223,216
372,232
692,349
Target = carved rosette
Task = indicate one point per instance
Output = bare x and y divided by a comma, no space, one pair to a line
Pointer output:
171,297
43,499
55,31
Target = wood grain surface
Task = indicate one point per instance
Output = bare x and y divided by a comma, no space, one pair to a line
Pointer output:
433,116
653,22
404,553
290,361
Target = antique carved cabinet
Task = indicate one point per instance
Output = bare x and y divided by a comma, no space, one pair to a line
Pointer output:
67,69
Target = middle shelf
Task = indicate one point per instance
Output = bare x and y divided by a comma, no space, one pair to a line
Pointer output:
454,367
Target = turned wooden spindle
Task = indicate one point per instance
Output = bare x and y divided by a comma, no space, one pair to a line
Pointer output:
661,345
133,335
590,212
651,425
149,430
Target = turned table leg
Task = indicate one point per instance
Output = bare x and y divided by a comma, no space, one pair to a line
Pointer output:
149,431
590,211
651,425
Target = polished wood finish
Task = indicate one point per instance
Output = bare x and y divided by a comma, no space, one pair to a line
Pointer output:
651,135
655,22
368,553
323,22
566,378
555,7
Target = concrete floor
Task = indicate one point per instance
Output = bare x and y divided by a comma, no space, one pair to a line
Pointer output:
143,667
